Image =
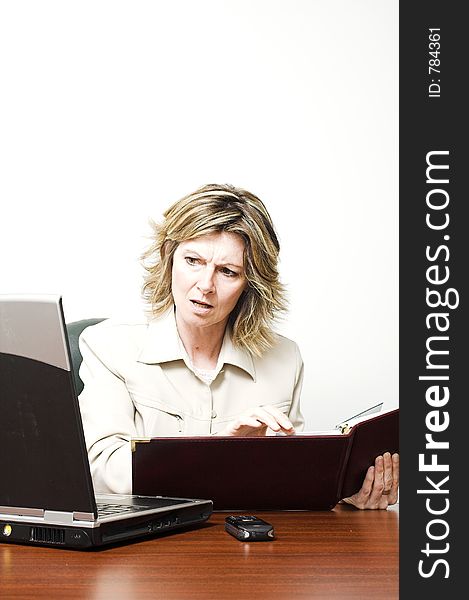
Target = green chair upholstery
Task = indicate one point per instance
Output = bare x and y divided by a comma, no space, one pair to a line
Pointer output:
74,330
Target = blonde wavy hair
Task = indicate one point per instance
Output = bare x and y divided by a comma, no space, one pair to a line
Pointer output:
215,208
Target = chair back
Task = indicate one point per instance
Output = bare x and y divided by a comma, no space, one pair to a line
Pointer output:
74,331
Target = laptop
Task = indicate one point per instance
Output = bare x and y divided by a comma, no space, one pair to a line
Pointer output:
46,490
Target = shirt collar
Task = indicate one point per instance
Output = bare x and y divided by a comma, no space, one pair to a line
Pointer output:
161,344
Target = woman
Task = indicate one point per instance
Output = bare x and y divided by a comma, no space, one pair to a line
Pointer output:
207,361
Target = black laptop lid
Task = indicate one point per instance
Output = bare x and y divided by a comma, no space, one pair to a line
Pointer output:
43,459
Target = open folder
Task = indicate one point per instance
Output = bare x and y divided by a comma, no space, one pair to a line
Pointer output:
310,471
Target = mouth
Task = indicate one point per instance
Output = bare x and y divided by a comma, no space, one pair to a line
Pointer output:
201,304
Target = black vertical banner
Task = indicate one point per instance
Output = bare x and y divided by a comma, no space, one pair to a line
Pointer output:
434,251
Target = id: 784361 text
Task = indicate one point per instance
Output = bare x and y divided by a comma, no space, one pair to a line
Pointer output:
434,49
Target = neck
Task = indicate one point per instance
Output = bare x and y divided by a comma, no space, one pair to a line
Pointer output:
202,344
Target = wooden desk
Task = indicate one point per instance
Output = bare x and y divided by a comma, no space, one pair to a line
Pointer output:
344,553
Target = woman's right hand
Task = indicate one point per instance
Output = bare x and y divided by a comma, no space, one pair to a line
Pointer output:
256,421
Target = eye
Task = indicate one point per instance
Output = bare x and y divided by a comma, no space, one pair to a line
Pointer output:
191,260
228,272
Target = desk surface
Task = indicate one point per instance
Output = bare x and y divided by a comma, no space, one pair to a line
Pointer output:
343,553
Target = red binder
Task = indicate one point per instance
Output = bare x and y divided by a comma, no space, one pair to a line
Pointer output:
300,472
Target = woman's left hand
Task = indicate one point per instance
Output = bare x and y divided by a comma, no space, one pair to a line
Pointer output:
380,486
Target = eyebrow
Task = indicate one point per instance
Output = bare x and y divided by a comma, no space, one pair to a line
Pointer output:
223,264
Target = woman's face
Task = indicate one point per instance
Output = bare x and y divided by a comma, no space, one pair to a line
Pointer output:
208,278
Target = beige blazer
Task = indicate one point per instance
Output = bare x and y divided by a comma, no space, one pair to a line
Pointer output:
139,382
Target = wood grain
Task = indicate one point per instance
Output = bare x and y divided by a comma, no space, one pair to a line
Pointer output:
343,553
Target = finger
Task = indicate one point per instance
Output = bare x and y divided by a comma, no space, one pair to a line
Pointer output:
393,494
388,473
266,417
247,423
283,421
363,495
360,499
378,483
383,503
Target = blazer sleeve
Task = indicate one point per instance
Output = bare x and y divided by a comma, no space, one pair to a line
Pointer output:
294,414
108,415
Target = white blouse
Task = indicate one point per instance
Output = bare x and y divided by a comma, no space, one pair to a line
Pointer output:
139,382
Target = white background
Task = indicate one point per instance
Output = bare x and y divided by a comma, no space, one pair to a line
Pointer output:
111,111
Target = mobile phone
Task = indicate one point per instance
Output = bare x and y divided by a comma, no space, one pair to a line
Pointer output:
248,528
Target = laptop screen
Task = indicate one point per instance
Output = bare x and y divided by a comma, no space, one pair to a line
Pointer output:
43,459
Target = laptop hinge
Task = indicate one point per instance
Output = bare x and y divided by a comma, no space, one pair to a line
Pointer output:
83,516
67,518
58,517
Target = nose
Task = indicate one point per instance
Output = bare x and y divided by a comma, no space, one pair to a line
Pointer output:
206,282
